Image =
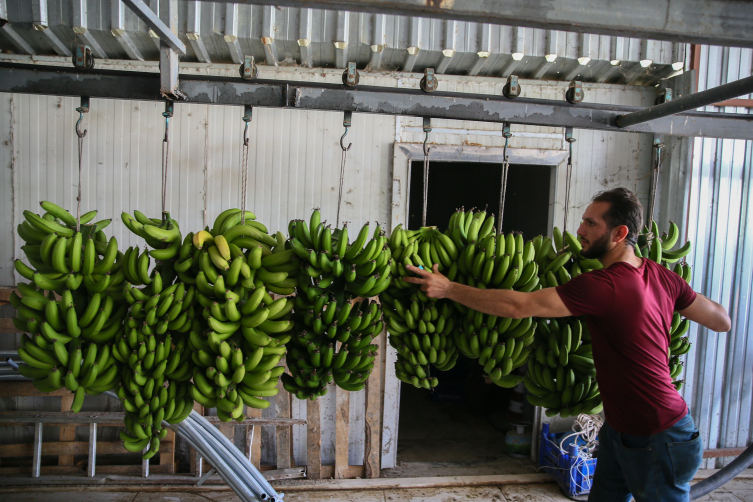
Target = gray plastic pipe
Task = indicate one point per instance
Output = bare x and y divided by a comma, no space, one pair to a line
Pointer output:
724,475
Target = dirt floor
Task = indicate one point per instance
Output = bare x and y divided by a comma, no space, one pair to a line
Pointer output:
739,490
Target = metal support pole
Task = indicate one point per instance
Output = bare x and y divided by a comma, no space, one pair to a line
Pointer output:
697,100
37,458
92,465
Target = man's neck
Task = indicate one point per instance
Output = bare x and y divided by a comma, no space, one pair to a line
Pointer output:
619,253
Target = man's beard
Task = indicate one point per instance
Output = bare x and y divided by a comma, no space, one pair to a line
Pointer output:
598,248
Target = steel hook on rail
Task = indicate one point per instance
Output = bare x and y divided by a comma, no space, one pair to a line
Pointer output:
427,130
346,123
84,108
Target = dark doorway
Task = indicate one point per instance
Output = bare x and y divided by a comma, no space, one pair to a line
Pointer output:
477,184
460,427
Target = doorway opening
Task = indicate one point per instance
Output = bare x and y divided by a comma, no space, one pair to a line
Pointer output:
460,428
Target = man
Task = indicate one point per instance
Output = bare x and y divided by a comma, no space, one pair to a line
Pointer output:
649,446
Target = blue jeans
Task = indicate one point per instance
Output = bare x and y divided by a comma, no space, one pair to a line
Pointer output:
655,468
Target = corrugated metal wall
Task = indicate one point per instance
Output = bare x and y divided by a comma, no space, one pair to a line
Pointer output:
293,167
720,210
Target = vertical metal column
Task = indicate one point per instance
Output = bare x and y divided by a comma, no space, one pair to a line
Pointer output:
91,467
37,460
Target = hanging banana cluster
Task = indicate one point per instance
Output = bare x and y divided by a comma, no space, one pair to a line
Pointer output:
424,247
561,376
327,255
240,335
70,337
659,249
421,332
559,258
164,236
156,373
316,358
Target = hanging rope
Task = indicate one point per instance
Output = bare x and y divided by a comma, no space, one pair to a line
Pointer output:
166,151
505,169
247,114
569,173
84,108
347,120
658,145
427,130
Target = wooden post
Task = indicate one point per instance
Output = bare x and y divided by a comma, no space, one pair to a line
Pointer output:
313,441
167,458
283,433
67,433
342,415
195,460
373,446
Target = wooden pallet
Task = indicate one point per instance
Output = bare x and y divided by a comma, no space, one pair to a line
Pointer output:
66,447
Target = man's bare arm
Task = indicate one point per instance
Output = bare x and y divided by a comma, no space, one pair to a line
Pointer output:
498,302
708,313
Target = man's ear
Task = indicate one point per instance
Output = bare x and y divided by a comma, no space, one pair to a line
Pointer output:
620,233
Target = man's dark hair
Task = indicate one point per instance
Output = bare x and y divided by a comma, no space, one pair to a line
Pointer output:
624,209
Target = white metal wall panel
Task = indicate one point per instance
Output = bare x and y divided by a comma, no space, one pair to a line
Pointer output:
719,384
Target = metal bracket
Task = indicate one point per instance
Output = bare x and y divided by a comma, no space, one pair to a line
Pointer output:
429,82
82,58
575,93
512,88
506,132
427,130
347,121
248,69
569,136
663,96
351,75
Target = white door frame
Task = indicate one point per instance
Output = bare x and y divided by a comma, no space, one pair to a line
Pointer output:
403,155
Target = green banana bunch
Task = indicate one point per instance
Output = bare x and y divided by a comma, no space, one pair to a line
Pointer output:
659,248
421,333
559,258
364,268
331,340
156,361
424,247
561,376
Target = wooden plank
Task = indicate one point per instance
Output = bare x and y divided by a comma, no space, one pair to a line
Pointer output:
428,482
6,325
253,438
313,441
373,425
292,473
342,415
168,458
351,472
67,433
71,448
26,389
738,103
106,419
283,433
5,292
65,470
722,452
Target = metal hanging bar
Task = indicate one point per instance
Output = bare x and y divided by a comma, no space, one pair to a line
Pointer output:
247,115
166,151
569,174
505,169
427,130
83,108
691,102
347,121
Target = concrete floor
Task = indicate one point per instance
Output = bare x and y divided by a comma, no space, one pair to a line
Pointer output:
739,490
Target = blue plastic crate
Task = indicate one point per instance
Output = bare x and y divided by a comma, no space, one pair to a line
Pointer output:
574,475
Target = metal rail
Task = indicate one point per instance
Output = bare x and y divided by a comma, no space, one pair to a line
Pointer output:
59,81
690,102
713,22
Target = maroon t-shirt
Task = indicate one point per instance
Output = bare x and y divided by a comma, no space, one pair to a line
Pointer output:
629,311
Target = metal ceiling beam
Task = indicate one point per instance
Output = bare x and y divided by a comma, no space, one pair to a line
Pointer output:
153,21
708,97
61,81
713,22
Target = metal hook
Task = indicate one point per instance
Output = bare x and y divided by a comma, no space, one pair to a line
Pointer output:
78,126
347,119
427,130
247,116
342,141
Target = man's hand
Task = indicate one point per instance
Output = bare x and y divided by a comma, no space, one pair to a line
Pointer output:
434,284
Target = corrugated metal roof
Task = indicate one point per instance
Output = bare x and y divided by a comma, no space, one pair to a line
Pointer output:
223,33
